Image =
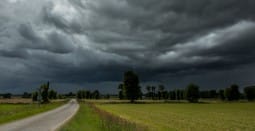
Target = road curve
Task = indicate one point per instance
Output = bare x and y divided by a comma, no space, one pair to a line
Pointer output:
48,121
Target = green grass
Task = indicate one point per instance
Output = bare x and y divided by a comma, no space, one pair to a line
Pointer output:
185,116
11,112
89,118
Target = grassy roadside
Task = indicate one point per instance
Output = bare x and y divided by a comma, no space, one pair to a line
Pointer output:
90,118
11,112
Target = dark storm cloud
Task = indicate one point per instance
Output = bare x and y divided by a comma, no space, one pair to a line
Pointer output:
77,42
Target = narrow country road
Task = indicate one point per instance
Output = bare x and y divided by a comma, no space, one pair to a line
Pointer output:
48,121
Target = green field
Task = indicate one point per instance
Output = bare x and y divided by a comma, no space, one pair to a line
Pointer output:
186,116
90,120
10,112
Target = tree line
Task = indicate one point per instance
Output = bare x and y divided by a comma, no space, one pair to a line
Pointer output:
131,90
86,94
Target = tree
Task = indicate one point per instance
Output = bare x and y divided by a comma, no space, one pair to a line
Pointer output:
221,94
148,88
165,95
232,93
192,93
161,88
7,95
44,92
250,93
131,85
26,95
52,94
172,95
153,88
96,94
121,92
35,96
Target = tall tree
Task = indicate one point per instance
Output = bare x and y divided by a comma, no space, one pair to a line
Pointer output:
96,94
131,85
250,93
153,88
148,88
232,93
161,89
44,92
221,94
192,93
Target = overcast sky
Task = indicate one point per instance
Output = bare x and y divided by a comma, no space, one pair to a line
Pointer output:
88,44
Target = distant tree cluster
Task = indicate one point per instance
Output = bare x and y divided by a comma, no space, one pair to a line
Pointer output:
6,95
43,94
26,95
85,94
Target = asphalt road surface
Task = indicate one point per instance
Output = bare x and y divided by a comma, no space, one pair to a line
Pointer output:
48,121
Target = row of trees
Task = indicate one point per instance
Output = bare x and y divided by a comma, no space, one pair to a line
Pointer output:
131,90
6,95
83,94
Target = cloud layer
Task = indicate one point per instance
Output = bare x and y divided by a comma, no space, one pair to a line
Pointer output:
82,43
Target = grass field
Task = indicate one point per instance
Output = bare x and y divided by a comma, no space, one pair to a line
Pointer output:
10,112
185,116
90,119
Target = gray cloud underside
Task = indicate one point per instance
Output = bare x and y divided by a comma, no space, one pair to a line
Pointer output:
80,41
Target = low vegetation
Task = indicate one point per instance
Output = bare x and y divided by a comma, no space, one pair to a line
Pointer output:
10,112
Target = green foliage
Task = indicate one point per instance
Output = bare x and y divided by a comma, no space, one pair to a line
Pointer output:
149,91
131,85
96,94
172,95
208,94
192,93
7,95
221,95
161,89
35,96
44,92
250,93
52,94
26,95
83,94
232,93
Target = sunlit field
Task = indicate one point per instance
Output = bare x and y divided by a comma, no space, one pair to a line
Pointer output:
186,116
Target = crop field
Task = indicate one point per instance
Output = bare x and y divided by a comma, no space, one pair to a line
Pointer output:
186,116
90,119
10,112
15,101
